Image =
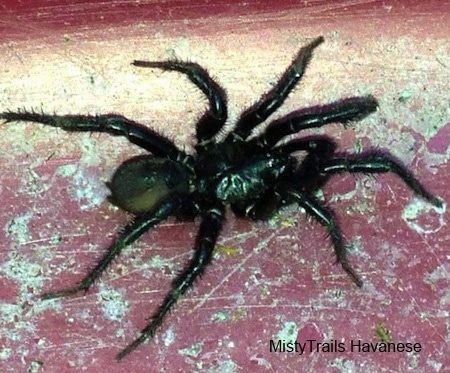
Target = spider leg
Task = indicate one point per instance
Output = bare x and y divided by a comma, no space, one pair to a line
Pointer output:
325,217
204,246
116,125
275,97
375,162
129,234
343,111
214,119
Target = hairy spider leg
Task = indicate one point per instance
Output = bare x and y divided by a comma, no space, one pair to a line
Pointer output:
325,217
376,162
205,242
116,125
130,234
275,97
318,147
214,119
342,111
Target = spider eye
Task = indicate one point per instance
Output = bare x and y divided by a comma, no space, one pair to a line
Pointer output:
141,182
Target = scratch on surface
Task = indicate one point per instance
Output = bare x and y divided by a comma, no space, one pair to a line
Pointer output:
236,268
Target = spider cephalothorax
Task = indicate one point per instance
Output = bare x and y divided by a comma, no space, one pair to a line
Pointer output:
255,177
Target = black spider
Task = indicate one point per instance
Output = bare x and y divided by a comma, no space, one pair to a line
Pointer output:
255,177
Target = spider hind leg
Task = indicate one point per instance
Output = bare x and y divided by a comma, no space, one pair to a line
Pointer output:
129,235
325,217
206,240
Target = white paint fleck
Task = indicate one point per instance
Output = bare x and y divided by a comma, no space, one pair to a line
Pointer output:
289,332
220,316
168,337
158,261
35,366
5,353
17,228
89,191
113,305
67,170
193,350
435,365
27,274
441,272
343,365
413,211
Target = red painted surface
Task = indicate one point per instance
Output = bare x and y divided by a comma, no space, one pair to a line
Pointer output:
267,280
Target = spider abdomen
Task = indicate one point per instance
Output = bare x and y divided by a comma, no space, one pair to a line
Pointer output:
141,182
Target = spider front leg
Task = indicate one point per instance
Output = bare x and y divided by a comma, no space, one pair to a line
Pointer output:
376,162
324,216
274,98
214,119
116,125
206,240
129,234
